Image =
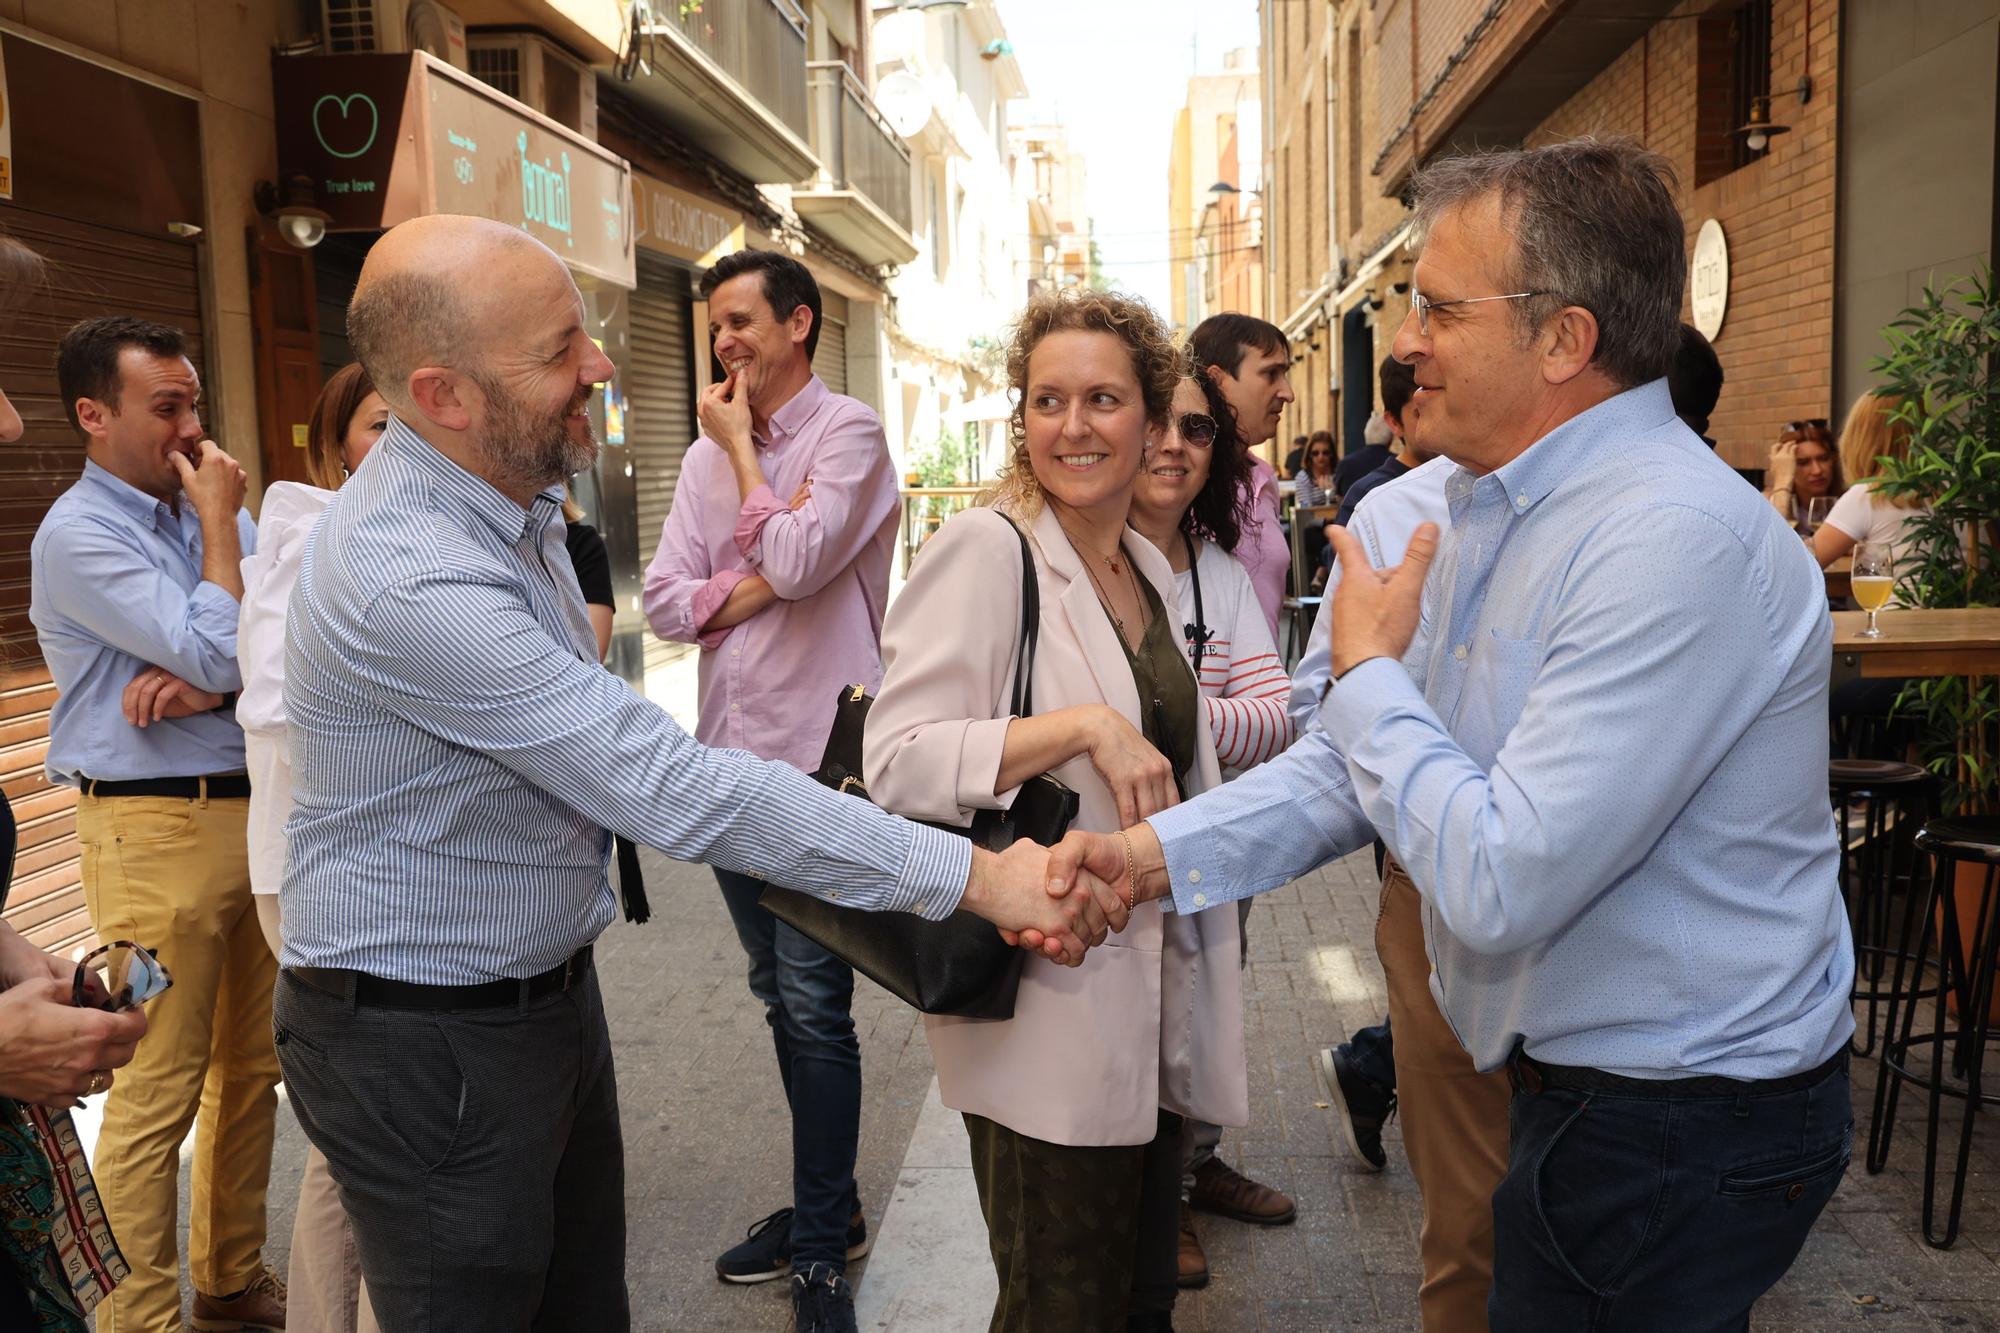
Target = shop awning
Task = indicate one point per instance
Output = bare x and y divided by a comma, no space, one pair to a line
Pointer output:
996,406
386,138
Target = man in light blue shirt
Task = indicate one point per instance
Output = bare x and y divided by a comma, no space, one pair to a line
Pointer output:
137,570
1600,757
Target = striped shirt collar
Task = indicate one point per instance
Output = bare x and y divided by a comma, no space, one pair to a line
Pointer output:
473,493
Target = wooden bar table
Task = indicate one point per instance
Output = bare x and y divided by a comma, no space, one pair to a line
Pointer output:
1917,643
1840,579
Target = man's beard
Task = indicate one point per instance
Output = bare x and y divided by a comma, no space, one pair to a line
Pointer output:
526,450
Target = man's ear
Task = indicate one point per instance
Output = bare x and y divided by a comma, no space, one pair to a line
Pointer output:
94,415
443,397
799,323
1573,344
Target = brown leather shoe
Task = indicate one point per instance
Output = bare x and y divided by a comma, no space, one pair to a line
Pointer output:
1221,1189
1194,1262
258,1308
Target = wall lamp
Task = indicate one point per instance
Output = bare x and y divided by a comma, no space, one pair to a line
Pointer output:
300,219
1758,133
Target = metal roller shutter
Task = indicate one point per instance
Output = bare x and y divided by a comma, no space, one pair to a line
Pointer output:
92,271
830,357
659,421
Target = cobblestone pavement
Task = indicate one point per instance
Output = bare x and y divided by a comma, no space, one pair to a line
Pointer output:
707,1147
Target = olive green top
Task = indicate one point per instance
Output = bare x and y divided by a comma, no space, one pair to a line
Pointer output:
1169,699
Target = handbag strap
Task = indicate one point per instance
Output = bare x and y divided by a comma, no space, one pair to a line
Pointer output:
1197,633
1031,626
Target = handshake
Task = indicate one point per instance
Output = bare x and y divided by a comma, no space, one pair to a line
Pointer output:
1062,901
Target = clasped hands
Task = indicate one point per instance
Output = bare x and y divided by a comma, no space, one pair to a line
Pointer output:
1089,883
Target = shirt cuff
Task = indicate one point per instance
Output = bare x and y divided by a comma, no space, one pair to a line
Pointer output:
707,600
1189,844
936,872
756,511
1365,694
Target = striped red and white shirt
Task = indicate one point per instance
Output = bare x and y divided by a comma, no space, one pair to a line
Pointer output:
1243,680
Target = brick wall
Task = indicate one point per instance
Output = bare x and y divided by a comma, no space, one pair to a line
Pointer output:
1777,213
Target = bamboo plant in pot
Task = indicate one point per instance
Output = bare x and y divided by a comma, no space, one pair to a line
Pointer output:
1944,365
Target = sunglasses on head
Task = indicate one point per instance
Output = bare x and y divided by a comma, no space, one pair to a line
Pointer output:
1198,429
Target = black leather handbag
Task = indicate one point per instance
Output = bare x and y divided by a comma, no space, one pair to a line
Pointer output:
960,965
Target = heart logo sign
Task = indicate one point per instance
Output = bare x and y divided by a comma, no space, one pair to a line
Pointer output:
348,126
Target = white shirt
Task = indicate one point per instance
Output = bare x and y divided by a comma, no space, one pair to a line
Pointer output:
1385,520
290,510
1858,514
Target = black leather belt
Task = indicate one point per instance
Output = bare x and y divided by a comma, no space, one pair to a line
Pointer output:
1535,1076
386,994
219,787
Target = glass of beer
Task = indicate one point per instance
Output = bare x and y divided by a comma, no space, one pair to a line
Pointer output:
1872,581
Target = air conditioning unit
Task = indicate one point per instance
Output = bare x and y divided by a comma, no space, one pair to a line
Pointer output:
392,27
533,70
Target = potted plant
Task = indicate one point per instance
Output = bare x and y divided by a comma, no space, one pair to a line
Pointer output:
1944,364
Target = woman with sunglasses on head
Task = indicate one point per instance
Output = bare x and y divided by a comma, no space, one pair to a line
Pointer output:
1185,503
1074,1104
52,1053
1804,466
324,1280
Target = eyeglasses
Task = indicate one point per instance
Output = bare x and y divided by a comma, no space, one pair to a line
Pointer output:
1423,305
1198,429
120,975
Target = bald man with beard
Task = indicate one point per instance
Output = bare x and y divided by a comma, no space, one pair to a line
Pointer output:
460,763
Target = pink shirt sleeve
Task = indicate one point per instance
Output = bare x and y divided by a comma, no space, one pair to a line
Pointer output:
681,593
1264,551
799,551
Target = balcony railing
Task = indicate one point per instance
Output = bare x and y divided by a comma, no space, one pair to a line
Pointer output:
759,43
854,142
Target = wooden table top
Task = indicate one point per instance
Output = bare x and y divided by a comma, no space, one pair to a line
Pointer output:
1958,642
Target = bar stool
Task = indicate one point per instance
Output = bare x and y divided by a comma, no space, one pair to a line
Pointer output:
1878,805
1966,970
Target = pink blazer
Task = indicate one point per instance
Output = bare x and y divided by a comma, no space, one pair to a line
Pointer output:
1154,1017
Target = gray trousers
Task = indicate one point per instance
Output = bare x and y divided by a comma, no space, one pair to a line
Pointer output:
477,1152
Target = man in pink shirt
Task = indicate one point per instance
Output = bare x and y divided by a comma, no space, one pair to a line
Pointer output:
1251,362
775,560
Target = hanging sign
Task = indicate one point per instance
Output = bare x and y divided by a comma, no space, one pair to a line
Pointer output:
1708,280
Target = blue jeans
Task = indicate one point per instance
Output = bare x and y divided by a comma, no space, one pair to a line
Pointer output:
1635,1214
807,993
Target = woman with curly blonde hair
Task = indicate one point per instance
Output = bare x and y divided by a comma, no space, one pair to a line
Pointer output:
1074,1105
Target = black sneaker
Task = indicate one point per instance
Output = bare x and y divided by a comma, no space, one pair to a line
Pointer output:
822,1302
766,1252
1362,1104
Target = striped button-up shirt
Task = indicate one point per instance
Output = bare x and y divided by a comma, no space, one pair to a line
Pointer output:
458,754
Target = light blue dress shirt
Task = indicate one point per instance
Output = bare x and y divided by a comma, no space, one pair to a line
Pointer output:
458,753
1603,762
117,587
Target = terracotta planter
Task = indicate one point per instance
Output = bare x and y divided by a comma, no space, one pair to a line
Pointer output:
1968,888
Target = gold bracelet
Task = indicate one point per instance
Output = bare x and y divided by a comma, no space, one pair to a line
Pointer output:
1131,874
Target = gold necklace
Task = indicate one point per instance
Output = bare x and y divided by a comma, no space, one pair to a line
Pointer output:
1103,597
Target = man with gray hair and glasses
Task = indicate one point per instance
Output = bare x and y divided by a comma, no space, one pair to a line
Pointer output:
1595,743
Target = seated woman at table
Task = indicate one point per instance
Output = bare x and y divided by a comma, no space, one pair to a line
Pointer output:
1869,438
1315,474
1803,467
1074,1105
